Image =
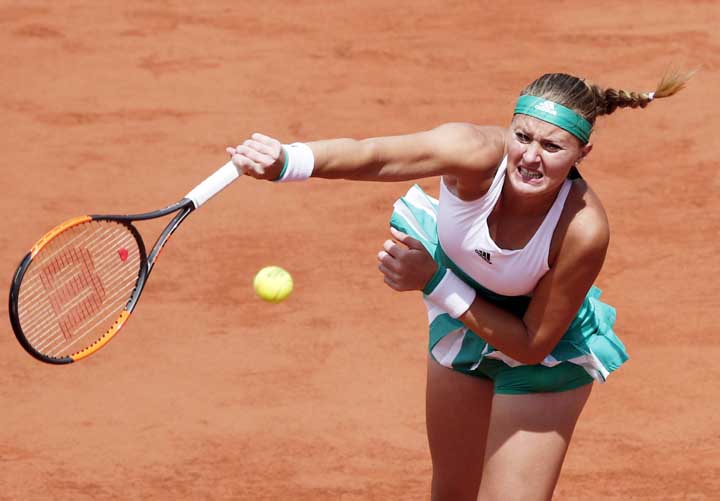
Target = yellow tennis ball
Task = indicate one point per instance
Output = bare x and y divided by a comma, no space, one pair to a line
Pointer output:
273,284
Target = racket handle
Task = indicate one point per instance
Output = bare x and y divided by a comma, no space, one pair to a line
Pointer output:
213,185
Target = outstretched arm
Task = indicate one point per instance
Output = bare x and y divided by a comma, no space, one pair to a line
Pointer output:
454,149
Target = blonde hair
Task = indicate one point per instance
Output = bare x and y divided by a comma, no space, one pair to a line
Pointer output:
590,101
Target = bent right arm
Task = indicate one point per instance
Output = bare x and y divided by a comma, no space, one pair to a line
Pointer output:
461,150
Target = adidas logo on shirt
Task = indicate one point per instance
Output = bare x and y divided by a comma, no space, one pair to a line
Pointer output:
547,107
483,254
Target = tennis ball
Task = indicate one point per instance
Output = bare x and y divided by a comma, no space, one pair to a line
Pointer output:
273,284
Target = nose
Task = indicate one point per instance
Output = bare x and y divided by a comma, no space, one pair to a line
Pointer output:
531,153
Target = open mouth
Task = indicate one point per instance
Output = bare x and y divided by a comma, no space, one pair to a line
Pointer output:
528,175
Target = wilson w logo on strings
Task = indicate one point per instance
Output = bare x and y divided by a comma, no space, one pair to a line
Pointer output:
68,276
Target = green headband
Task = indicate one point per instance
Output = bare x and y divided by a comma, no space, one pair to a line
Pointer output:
556,114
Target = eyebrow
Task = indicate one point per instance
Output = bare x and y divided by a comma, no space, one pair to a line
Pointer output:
559,141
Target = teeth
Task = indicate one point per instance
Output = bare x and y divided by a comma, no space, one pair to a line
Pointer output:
527,173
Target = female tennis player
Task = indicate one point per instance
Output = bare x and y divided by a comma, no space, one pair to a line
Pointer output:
506,259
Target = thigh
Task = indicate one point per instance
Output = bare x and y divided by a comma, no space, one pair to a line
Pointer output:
527,440
457,416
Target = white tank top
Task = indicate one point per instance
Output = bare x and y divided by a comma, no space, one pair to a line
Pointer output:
465,238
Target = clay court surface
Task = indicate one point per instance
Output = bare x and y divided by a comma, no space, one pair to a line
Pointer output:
209,393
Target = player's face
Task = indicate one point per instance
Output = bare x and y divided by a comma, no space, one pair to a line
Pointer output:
540,155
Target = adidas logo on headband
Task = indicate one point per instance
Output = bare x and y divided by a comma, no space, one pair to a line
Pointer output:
556,114
547,107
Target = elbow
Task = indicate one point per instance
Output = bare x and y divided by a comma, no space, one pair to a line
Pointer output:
536,350
371,153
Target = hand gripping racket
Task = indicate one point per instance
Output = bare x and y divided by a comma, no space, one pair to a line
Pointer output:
80,282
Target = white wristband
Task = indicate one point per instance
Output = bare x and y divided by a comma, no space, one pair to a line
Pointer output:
299,163
452,295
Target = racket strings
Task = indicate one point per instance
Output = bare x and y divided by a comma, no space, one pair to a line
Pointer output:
77,286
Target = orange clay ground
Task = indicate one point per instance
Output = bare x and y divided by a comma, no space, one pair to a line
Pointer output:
209,393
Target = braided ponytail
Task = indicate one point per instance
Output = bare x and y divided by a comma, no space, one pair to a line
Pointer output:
590,101
610,99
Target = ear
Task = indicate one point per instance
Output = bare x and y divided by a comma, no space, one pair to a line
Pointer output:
584,151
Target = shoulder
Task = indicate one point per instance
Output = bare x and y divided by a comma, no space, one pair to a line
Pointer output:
468,148
583,234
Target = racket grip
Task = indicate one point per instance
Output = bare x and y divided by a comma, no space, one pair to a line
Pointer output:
213,185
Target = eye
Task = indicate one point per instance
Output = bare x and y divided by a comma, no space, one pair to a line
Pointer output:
551,147
522,137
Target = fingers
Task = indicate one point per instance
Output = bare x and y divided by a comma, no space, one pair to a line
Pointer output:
406,239
388,262
392,248
259,157
267,140
247,165
405,263
256,154
392,279
392,270
396,251
269,149
392,284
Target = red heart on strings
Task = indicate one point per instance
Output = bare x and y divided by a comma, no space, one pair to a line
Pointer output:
123,253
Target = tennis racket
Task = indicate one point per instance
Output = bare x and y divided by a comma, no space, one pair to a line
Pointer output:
79,283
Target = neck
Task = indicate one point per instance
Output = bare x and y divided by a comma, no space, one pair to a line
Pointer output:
514,204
